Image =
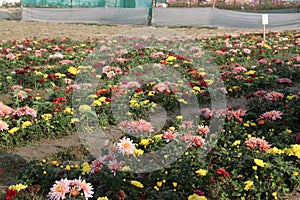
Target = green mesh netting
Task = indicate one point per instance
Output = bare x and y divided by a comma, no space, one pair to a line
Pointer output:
88,3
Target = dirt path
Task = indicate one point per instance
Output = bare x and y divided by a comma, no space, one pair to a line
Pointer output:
16,30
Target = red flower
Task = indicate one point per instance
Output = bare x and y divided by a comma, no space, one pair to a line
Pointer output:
138,90
222,171
10,194
298,138
1,170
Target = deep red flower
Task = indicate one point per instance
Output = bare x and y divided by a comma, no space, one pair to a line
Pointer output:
222,171
139,90
199,192
1,170
144,196
10,194
52,76
298,138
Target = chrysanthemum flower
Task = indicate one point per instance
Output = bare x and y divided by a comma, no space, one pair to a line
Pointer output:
271,115
126,146
3,126
59,190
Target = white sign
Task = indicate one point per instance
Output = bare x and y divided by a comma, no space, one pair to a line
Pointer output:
265,19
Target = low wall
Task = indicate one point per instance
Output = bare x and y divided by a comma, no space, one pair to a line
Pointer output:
133,16
204,17
213,17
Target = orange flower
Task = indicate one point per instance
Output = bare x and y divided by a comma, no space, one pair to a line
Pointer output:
101,91
163,62
261,122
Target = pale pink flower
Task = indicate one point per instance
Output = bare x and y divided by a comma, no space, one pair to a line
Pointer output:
239,69
187,125
129,84
133,127
239,77
25,111
271,115
233,51
16,87
237,114
161,87
86,85
56,55
59,190
65,62
246,51
115,166
203,130
20,94
197,140
3,126
169,135
126,146
257,142
157,54
110,74
284,80
106,69
191,140
87,188
5,110
195,49
68,81
10,56
273,96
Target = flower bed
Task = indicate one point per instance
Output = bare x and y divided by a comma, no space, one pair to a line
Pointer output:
252,153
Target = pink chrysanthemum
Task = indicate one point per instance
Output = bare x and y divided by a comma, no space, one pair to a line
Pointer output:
140,126
273,96
170,135
86,188
203,130
25,111
239,69
271,115
16,87
237,114
284,80
126,146
3,126
257,142
59,190
5,110
115,166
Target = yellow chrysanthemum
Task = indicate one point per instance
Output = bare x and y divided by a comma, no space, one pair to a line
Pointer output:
201,172
137,184
85,168
260,163
13,130
18,187
248,185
